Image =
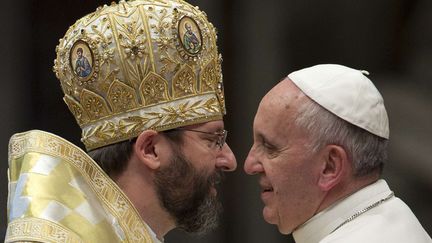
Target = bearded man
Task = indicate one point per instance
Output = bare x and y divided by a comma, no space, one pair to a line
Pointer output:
151,117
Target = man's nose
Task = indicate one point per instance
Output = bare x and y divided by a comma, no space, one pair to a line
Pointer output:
226,159
252,166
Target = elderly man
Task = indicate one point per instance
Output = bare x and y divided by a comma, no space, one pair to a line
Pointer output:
320,141
151,114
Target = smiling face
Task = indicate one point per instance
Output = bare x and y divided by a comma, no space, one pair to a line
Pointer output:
281,156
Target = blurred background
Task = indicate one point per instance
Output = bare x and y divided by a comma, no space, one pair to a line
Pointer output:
261,42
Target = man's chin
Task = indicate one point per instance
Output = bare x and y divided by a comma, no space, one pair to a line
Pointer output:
283,230
271,217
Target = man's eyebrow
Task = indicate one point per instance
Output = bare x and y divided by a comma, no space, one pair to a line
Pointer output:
261,137
217,129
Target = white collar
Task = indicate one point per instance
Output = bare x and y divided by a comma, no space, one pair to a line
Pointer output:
322,224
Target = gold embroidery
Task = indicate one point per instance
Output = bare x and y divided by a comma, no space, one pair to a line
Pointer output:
154,89
35,229
94,105
162,117
184,82
108,193
121,97
209,77
76,109
140,44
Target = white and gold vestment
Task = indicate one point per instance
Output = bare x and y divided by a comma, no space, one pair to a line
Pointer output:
57,193
127,67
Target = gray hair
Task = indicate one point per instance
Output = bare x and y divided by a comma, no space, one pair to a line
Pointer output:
367,151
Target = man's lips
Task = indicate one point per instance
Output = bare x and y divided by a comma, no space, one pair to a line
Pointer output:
266,193
265,186
267,189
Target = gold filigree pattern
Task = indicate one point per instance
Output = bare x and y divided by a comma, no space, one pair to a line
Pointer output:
185,113
132,124
35,229
76,109
94,105
101,35
163,20
184,82
164,41
121,97
133,40
209,77
140,44
106,191
154,89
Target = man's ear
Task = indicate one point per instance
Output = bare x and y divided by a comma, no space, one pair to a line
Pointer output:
145,150
333,168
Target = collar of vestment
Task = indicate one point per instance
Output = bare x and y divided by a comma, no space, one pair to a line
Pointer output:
327,221
57,193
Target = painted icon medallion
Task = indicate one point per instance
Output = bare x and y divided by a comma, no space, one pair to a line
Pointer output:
81,59
190,35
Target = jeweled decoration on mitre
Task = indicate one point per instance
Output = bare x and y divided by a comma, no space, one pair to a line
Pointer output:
137,65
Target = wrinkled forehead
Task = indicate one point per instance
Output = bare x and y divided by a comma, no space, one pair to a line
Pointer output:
279,106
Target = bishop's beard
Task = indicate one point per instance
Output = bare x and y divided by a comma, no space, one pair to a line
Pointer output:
186,194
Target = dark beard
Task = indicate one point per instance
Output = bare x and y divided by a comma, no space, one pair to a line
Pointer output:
185,194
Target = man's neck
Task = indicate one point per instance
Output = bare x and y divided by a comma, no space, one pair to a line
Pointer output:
141,192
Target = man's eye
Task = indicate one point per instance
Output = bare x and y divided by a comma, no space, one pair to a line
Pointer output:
212,142
268,146
269,149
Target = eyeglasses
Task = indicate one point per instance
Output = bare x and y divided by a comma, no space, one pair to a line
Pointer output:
222,135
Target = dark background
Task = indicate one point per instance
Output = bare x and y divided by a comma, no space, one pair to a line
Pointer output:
261,42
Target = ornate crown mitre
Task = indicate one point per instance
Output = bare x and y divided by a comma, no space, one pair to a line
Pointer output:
138,65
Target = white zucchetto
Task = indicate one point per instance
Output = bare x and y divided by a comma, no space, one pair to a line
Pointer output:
347,93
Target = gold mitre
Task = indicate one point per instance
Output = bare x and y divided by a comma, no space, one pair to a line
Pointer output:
138,65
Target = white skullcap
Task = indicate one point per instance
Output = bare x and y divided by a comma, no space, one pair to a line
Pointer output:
347,93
